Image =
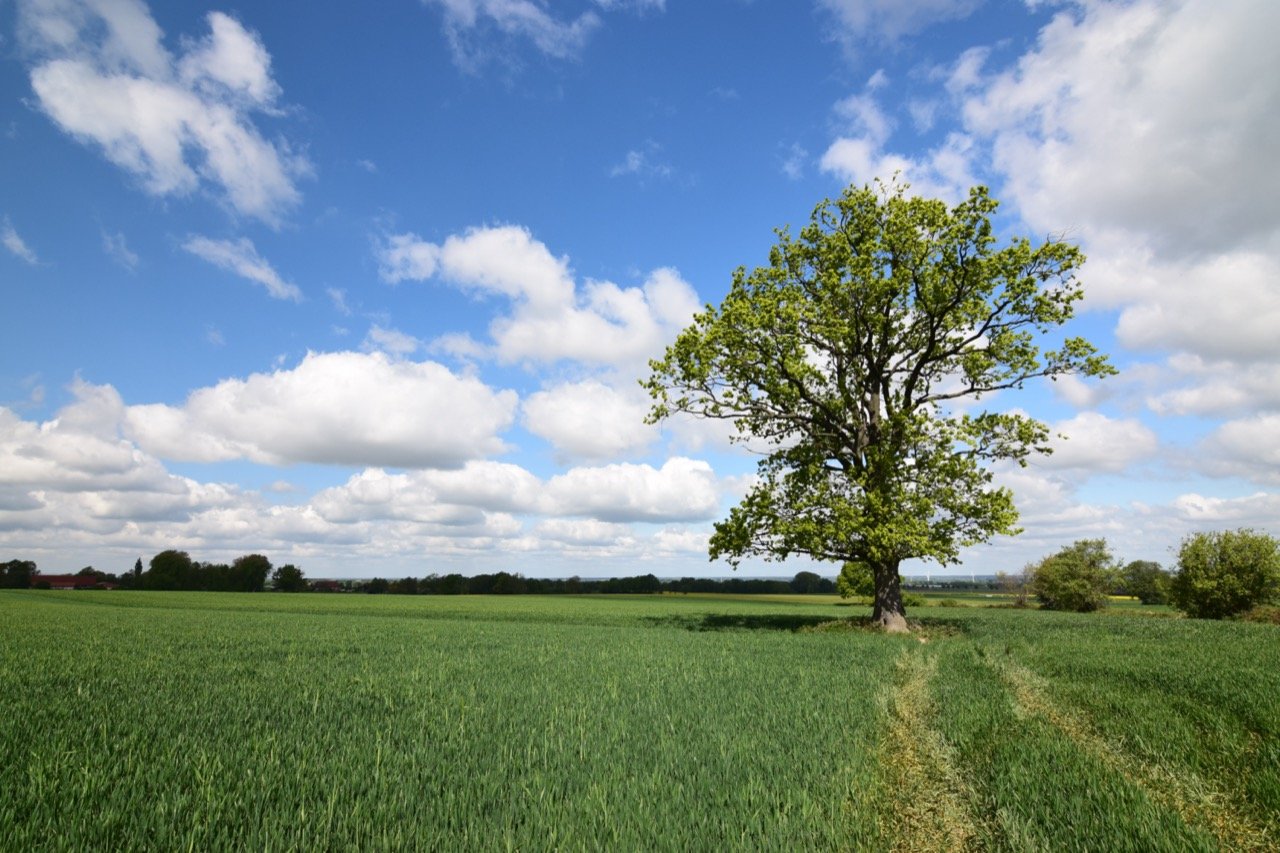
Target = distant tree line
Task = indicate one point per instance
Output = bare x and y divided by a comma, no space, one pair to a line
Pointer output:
175,570
506,583
171,570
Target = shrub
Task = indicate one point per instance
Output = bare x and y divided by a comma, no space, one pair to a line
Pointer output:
1268,614
1076,578
856,581
1225,573
1146,581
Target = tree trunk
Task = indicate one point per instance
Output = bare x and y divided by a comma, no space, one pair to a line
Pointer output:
889,613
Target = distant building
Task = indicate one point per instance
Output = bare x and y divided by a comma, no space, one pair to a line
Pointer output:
69,582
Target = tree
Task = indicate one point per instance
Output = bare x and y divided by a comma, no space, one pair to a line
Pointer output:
249,573
1076,578
1225,573
288,578
1016,585
809,583
856,580
170,569
1146,581
17,574
840,358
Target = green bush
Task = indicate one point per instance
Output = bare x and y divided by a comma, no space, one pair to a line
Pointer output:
856,581
1146,581
1225,573
1076,578
1268,614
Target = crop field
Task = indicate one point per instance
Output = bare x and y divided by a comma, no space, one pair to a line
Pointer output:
255,721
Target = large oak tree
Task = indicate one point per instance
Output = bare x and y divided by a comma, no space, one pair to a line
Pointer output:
845,359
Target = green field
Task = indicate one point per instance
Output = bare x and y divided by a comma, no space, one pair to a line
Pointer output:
255,721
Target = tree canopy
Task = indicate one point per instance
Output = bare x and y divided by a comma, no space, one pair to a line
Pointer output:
843,358
1224,573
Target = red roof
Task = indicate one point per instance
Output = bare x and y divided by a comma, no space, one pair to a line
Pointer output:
66,581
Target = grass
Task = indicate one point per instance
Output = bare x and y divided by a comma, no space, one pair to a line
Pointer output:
208,721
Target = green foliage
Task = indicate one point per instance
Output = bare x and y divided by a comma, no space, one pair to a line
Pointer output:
855,580
842,356
810,583
1146,581
170,569
1076,578
17,574
1224,573
1266,614
288,578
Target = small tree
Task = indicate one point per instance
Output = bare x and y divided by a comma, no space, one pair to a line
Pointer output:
1146,581
1016,585
843,357
808,583
856,580
1225,573
288,578
1076,578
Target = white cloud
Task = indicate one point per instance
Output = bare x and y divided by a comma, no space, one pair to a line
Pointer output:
338,297
103,76
336,408
640,6
118,250
1248,448
551,318
391,341
241,258
860,156
859,21
468,24
589,419
1093,442
642,163
585,531
1125,112
15,244
681,490
1147,130
1199,386
793,162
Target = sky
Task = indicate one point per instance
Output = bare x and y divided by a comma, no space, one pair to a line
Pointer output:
370,289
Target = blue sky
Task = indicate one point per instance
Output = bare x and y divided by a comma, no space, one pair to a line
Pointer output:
371,293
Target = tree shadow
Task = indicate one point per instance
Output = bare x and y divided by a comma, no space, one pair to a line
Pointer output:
802,624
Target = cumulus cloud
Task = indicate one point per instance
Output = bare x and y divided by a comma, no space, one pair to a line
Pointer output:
1126,111
242,258
176,123
15,244
1147,129
589,419
1093,442
1198,386
76,471
340,408
552,318
681,490
860,155
1245,448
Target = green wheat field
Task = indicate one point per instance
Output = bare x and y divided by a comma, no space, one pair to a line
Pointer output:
206,721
